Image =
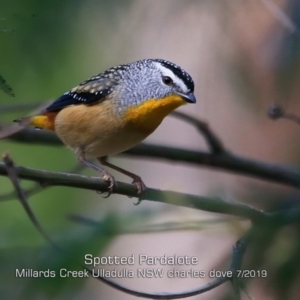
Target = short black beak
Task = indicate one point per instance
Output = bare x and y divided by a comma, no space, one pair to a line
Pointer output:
189,98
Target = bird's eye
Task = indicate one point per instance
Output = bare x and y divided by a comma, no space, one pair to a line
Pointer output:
167,80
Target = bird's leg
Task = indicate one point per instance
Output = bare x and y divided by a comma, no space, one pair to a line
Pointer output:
106,175
137,180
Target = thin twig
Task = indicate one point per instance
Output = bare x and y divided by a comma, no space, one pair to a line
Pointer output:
292,118
280,15
28,192
276,112
166,296
37,186
214,143
238,255
12,174
236,288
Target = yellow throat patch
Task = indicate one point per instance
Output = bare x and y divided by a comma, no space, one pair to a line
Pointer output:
150,113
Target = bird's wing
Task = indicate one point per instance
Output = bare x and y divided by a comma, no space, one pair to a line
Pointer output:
89,92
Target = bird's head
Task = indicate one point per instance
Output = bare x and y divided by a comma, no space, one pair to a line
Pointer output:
154,79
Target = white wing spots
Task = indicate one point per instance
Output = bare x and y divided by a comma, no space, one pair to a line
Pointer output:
76,97
167,72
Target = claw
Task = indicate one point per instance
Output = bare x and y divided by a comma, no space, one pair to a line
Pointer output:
138,202
141,188
104,196
108,194
112,184
140,185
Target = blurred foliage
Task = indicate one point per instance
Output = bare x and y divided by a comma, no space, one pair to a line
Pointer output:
45,258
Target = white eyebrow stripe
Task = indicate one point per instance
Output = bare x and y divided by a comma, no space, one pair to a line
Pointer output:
167,72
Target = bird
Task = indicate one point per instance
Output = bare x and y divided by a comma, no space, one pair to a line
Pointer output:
115,110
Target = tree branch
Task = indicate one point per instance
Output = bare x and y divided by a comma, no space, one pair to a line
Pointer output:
228,162
47,178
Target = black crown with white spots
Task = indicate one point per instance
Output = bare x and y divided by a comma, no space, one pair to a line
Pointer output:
178,71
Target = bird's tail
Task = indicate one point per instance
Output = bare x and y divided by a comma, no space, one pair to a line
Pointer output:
45,121
24,121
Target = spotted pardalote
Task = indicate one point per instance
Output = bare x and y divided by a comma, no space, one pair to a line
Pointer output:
115,110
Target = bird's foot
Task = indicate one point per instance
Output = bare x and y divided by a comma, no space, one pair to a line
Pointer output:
140,185
111,181
141,189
